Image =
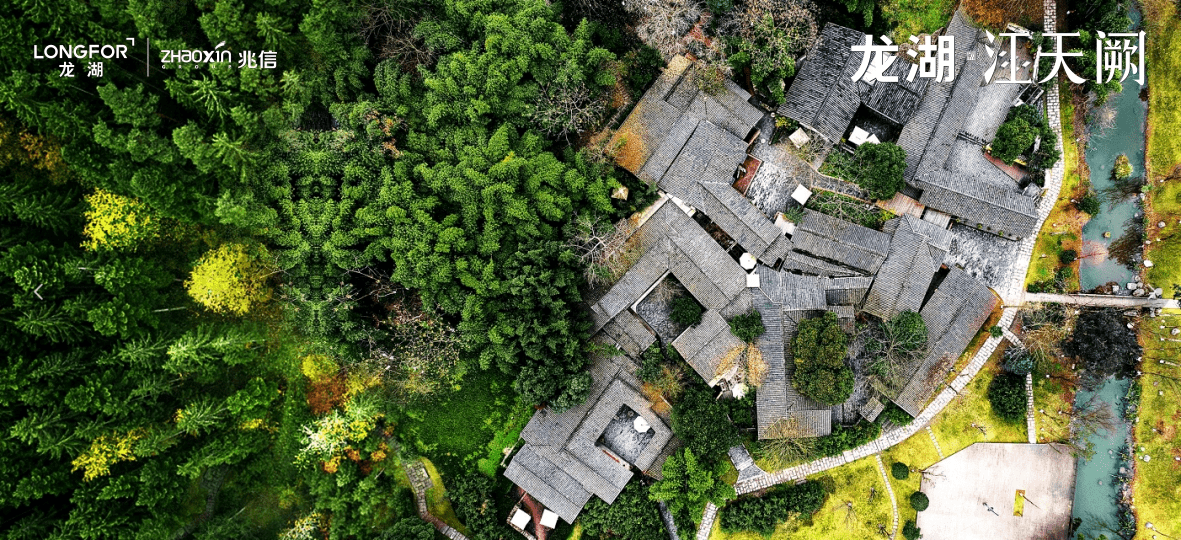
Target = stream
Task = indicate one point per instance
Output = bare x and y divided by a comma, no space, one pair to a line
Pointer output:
1096,494
1125,137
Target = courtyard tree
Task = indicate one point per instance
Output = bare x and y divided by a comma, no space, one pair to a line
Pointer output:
748,326
1013,138
895,346
702,422
881,167
819,348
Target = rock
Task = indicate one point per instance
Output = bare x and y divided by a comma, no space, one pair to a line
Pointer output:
1147,264
1130,313
1131,326
1160,225
1146,458
1175,331
1158,291
1106,234
1132,286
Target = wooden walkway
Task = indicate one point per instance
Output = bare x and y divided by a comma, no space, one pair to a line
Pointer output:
901,204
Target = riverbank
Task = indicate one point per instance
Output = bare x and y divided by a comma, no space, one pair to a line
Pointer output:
1163,154
1062,230
1156,487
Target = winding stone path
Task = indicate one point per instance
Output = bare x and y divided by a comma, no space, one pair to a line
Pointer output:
421,481
890,492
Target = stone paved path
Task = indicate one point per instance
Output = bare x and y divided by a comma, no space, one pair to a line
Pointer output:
1102,300
707,521
1030,423
420,481
890,492
935,442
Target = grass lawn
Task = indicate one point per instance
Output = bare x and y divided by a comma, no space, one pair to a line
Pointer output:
1164,141
851,483
958,425
1157,486
1063,228
914,17
469,428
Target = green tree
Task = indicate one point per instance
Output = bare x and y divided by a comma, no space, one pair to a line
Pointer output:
748,326
895,346
689,483
919,501
1122,168
410,528
702,422
819,348
910,531
1012,139
686,311
881,167
899,470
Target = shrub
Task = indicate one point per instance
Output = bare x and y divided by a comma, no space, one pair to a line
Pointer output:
1105,345
995,331
900,471
1006,394
819,348
1019,361
748,327
919,501
1122,168
910,531
1090,204
895,415
1067,256
686,311
846,437
762,514
651,363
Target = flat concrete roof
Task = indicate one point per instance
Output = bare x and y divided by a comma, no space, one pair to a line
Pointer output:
988,475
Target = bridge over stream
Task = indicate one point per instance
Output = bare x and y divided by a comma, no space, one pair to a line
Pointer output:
1101,300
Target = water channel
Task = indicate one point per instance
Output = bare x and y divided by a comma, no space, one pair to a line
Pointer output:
1096,488
1125,137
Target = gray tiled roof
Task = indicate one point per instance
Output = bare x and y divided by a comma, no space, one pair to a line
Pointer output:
562,466
957,309
841,241
743,221
917,250
898,101
791,291
848,291
676,98
823,95
975,202
704,345
777,399
941,113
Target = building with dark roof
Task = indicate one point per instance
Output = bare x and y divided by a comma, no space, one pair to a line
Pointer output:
842,242
936,135
917,249
823,97
563,464
958,307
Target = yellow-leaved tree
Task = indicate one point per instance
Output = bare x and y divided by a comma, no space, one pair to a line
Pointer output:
115,222
230,279
105,451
